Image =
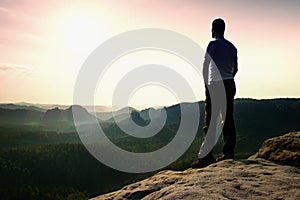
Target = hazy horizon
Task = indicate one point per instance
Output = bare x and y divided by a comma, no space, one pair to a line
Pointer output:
108,108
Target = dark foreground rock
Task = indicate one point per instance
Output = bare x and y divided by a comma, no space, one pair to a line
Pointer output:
252,178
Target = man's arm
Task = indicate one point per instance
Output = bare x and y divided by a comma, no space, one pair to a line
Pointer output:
235,67
207,60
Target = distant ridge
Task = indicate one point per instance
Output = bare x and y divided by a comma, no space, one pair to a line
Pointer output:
60,115
20,116
17,106
45,107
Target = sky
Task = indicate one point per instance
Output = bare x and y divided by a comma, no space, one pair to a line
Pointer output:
43,45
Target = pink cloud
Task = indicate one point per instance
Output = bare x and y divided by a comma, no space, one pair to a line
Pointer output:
14,67
14,70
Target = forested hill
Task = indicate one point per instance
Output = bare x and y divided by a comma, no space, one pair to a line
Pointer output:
41,160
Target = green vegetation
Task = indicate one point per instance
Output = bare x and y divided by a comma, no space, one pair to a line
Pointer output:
66,168
46,160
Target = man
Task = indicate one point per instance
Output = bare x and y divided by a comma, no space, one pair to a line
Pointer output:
219,68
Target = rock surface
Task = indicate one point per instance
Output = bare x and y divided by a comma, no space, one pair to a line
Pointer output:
252,178
284,149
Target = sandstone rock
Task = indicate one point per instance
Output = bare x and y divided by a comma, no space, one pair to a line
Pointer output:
229,179
252,178
284,149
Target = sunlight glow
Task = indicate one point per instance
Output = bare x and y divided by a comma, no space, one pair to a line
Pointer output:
81,31
52,39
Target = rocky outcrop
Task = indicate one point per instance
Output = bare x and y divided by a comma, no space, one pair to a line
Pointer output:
54,114
283,149
252,178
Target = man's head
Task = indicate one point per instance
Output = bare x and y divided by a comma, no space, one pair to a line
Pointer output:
218,28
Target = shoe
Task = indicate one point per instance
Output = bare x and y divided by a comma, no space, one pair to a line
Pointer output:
203,162
225,157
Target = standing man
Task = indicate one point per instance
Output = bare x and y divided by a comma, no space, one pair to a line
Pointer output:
219,68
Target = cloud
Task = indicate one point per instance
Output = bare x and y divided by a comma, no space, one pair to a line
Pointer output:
13,67
4,11
22,21
14,70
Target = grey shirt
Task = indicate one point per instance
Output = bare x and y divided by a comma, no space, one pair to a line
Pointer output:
220,62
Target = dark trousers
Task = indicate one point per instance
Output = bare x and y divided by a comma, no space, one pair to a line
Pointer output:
229,133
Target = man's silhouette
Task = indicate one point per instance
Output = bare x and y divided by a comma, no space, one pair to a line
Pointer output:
219,68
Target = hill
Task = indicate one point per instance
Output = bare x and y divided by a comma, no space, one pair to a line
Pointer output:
20,106
20,116
256,121
59,115
31,148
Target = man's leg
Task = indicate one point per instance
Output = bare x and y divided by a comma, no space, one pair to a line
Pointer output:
208,159
207,116
229,132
